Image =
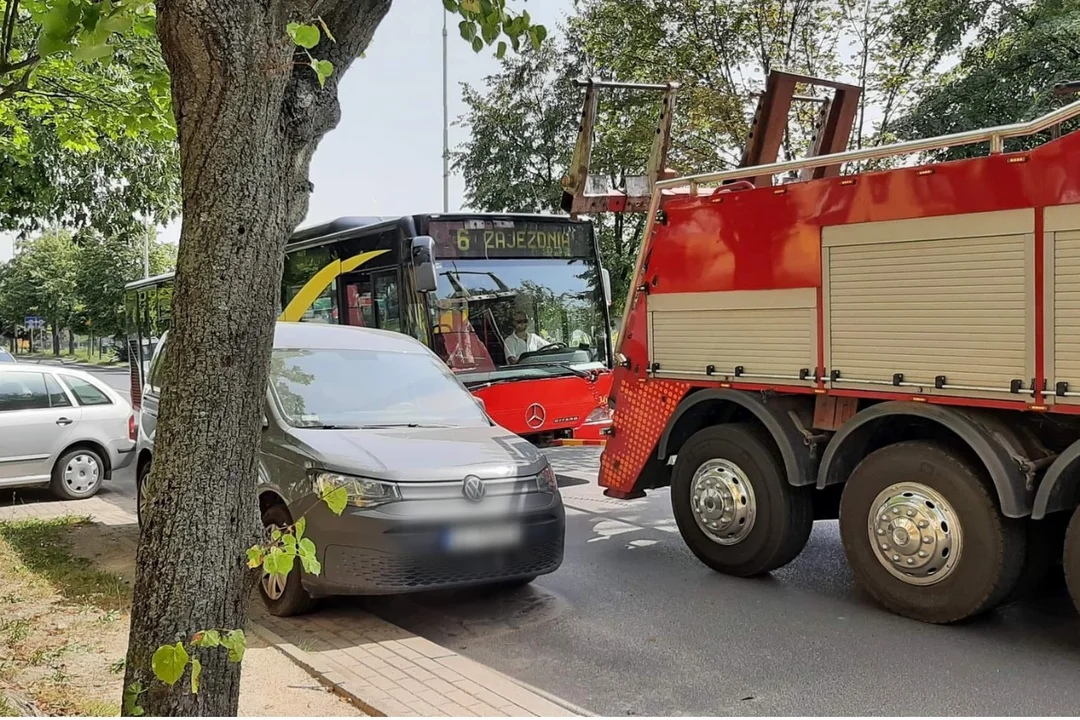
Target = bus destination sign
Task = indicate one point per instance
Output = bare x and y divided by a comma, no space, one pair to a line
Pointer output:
486,238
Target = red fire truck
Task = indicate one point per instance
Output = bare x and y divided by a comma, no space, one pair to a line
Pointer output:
897,349
488,271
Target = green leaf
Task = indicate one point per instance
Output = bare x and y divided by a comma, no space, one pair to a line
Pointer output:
336,500
301,524
477,44
538,33
450,5
51,44
131,699
323,69
236,643
116,24
472,6
306,551
88,53
275,534
500,51
196,669
289,542
305,35
255,556
467,29
169,662
489,31
206,638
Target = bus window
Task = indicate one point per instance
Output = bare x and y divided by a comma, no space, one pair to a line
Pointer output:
386,296
300,267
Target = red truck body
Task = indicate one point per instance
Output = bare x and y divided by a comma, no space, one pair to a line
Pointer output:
809,326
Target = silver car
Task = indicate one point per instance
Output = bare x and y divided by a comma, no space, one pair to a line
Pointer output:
439,495
62,427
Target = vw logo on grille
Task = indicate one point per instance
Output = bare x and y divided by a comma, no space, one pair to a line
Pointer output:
473,489
535,415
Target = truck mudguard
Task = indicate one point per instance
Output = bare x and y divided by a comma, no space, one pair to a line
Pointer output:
772,411
991,440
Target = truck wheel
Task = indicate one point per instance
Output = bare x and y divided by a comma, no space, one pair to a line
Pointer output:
1071,558
283,596
924,536
733,504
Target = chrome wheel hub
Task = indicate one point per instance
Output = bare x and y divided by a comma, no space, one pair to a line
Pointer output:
274,585
915,533
81,473
722,501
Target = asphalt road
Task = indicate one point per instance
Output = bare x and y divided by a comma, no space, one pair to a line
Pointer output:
632,624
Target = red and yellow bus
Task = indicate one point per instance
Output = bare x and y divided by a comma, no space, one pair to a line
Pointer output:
457,282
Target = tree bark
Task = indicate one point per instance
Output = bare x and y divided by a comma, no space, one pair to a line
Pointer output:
248,121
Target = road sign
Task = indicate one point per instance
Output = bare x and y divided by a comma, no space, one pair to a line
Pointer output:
34,322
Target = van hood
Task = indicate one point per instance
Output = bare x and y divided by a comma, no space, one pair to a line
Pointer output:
421,454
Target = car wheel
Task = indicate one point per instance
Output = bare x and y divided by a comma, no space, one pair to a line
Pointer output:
141,495
283,596
77,474
924,536
733,504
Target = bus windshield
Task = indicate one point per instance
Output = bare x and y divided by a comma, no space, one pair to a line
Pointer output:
514,318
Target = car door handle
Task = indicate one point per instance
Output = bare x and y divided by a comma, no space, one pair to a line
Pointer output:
63,421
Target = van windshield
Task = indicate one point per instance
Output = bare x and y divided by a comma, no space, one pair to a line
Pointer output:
330,388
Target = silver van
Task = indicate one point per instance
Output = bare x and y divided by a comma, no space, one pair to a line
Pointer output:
439,495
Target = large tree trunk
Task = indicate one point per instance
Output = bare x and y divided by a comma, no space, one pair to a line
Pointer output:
248,124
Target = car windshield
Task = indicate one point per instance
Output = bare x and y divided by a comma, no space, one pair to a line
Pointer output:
515,318
331,388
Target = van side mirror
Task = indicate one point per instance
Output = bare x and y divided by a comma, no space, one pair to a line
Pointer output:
265,422
605,278
423,262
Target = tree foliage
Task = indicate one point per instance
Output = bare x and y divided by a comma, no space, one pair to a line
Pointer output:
75,281
1005,75
86,128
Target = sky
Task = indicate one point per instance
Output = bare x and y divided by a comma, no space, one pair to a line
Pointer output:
385,156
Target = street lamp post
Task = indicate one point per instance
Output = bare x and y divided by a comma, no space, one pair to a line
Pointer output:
446,124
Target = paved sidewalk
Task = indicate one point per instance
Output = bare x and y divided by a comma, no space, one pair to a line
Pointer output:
381,668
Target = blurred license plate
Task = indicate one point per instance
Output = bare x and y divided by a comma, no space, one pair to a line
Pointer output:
483,537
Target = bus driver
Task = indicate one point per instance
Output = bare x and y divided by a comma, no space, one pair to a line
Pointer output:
521,340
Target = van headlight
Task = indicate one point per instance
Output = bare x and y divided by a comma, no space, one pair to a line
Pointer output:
362,492
546,482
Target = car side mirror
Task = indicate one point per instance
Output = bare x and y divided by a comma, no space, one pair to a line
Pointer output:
423,262
605,278
265,421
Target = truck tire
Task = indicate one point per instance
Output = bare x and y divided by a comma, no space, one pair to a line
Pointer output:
733,504
1071,558
287,598
924,536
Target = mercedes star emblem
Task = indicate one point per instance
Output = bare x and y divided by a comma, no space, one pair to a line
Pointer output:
535,415
473,489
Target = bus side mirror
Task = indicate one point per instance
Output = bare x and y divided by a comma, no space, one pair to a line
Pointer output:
605,277
423,261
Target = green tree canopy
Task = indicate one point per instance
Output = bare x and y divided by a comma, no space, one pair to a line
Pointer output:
86,127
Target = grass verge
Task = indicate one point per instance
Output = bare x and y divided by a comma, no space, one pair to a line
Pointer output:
63,623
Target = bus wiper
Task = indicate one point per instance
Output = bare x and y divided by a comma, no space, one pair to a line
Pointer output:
567,366
489,383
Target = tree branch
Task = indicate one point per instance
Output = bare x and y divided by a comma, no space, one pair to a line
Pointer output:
6,68
16,87
11,13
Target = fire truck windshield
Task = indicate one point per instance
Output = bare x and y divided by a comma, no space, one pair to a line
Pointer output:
509,319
